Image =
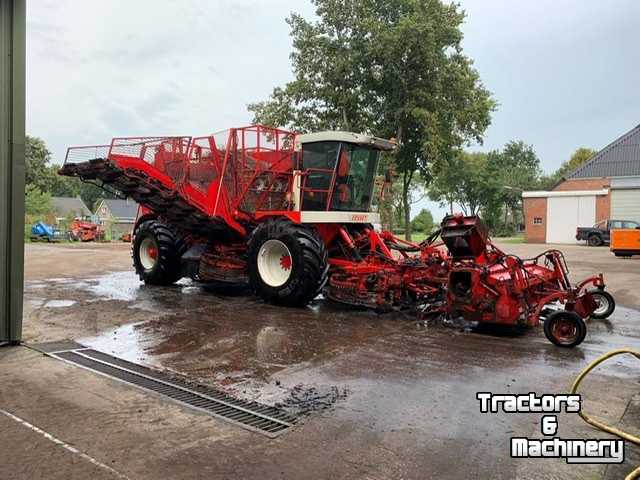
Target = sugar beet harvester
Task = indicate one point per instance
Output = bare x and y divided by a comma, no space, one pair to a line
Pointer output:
291,215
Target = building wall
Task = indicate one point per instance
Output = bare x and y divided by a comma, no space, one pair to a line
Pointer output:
103,212
535,208
603,202
603,207
582,184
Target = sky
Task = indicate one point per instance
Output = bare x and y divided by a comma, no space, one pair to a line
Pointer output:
566,74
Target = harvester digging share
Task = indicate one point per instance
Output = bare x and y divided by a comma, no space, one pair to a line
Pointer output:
291,216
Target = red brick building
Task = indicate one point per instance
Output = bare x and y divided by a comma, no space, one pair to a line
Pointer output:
607,186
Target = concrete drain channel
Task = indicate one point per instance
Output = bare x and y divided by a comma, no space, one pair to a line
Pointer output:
269,421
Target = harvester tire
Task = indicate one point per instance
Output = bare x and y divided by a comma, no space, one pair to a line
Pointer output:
156,253
565,329
287,262
606,304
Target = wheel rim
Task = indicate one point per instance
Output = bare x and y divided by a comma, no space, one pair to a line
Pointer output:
274,263
602,302
148,253
565,331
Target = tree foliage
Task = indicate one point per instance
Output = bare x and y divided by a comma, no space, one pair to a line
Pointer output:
581,156
517,168
37,202
423,222
488,183
394,68
467,180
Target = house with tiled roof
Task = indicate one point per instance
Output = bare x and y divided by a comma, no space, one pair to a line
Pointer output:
69,207
607,186
117,215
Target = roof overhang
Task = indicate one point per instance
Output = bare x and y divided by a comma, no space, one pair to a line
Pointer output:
349,137
565,193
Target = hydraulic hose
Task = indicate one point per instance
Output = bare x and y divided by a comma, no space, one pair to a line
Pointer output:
599,424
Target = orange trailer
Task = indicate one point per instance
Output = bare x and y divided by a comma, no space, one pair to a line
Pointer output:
625,242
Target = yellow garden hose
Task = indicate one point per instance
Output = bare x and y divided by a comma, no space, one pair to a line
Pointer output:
597,423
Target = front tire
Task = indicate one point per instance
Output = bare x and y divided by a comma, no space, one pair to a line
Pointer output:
287,262
606,304
156,254
565,329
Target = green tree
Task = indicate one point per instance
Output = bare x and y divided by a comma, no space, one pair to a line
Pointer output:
391,209
423,222
37,156
37,202
581,156
517,168
390,67
468,180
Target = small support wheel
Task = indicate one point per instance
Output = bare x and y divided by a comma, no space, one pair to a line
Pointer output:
606,304
565,329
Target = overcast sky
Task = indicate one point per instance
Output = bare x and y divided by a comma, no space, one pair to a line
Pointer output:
565,73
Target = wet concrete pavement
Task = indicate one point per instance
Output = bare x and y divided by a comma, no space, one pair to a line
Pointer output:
387,396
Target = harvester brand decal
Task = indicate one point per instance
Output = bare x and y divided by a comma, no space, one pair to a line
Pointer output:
359,218
573,450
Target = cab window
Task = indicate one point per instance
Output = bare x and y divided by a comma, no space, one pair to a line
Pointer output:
355,177
318,163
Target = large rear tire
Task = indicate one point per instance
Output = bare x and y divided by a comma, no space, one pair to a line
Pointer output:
156,253
565,329
287,262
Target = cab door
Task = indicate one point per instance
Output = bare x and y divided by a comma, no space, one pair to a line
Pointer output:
318,167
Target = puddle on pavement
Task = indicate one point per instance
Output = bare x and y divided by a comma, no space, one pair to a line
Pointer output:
309,358
123,342
116,286
59,303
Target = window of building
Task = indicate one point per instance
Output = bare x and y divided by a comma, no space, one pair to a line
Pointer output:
537,220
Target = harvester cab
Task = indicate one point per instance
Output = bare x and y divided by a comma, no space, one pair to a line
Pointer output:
337,173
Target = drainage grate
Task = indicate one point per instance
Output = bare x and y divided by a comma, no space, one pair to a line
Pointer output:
253,416
53,347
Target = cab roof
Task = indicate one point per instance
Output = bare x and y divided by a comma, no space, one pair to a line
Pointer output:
349,137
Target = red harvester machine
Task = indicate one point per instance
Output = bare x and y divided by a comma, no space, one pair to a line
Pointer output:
291,216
